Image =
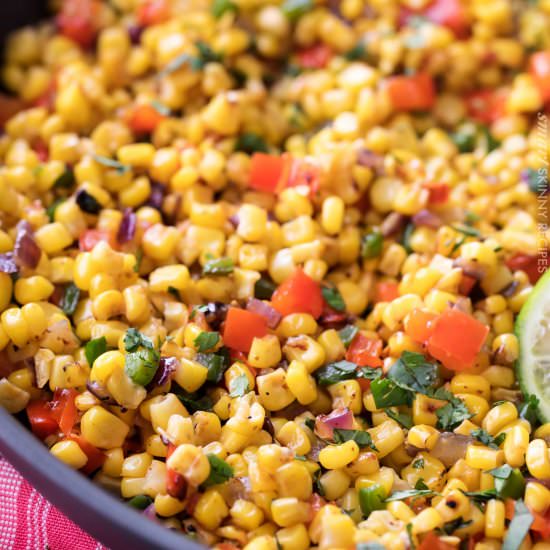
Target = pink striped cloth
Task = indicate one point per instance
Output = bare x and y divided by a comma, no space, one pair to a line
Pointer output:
29,522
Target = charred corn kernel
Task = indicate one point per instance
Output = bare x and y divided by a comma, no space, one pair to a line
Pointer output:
498,417
306,350
289,511
301,383
103,429
422,437
210,509
273,392
346,393
483,458
70,453
32,289
431,471
386,437
537,497
515,446
494,519
246,515
537,459
294,437
453,505
470,384
264,352
293,480
334,457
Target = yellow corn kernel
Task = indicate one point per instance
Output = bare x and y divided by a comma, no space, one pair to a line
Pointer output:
114,459
289,511
136,465
337,531
210,509
494,519
515,446
175,276
332,214
53,237
295,324
453,504
252,223
334,457
140,155
246,515
273,392
294,437
483,458
431,472
335,483
295,538
190,462
301,383
386,437
70,453
6,287
537,497
537,459
163,407
498,417
103,429
306,350
167,506
423,437
15,326
155,446
32,289
427,520
265,352
471,384
294,480
108,304
159,242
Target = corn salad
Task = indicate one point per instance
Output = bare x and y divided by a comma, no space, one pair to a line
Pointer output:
260,263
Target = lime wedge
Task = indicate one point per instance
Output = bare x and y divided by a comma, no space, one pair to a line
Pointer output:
533,332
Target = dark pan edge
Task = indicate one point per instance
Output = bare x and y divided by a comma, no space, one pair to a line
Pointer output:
110,521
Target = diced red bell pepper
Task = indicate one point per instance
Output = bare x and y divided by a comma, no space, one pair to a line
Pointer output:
315,57
96,458
153,12
386,291
411,93
41,418
541,525
467,282
539,68
143,118
298,294
364,351
433,542
448,13
176,486
269,173
64,410
91,237
241,327
486,106
419,325
533,265
77,20
456,339
439,192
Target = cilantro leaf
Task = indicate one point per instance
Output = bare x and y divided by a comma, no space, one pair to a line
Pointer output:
481,496
401,418
219,7
238,386
411,493
216,363
142,365
133,339
193,402
363,439
412,372
112,163
333,298
487,439
294,9
65,180
371,244
347,334
220,471
528,409
387,393
207,340
249,142
336,372
94,348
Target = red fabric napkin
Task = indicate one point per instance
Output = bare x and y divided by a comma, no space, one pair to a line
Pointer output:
29,522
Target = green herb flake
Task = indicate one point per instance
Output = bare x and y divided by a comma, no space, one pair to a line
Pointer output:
467,230
302,458
65,181
471,217
133,339
239,386
453,413
418,464
294,9
193,402
387,393
413,372
249,142
527,409
178,62
94,348
317,483
310,423
411,493
347,334
142,365
357,53
363,439
264,289
160,108
111,163
70,298
451,526
371,244
407,235
220,471
401,418
481,496
333,298
221,7
216,363
218,267
206,341
519,527
139,258
487,439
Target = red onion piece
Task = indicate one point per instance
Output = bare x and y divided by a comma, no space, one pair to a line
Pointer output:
545,482
157,195
450,447
27,252
341,418
127,228
269,313
427,219
166,369
150,513
7,263
370,159
470,268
